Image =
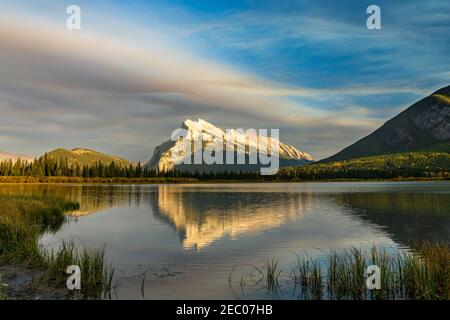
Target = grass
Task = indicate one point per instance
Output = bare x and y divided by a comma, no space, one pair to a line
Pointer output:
308,277
118,180
272,276
404,275
341,274
346,274
2,289
23,219
95,276
427,275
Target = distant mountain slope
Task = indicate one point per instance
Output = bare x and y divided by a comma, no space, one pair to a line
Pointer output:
390,166
83,157
425,126
162,159
5,156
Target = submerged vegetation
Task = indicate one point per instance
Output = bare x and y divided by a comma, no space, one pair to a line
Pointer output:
23,219
341,274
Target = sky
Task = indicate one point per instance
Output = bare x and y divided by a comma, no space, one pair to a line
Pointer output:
136,69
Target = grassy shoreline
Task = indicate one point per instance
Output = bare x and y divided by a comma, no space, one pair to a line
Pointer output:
78,180
22,220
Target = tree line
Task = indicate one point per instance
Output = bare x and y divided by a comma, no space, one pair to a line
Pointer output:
49,167
398,166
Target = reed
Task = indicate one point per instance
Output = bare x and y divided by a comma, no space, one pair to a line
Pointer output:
272,276
22,221
426,274
2,289
420,273
96,277
308,276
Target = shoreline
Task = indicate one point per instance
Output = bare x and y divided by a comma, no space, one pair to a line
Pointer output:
138,181
20,284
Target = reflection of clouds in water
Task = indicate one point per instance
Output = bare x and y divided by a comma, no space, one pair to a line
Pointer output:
203,217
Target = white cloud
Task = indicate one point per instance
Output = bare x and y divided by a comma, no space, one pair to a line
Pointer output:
62,88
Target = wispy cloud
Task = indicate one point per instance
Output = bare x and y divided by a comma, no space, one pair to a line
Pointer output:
123,92
57,81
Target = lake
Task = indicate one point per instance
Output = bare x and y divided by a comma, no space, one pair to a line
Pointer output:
183,241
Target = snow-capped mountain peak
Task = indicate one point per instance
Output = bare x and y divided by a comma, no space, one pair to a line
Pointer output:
167,155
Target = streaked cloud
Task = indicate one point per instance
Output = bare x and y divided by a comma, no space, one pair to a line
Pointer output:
124,95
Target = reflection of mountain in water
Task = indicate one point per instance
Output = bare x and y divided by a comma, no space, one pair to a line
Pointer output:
408,217
203,217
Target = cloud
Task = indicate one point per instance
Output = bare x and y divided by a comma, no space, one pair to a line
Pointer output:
60,88
331,40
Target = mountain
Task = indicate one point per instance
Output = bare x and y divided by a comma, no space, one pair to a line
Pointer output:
424,126
405,165
5,156
83,157
244,143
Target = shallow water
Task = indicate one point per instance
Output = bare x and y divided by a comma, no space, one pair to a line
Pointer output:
185,240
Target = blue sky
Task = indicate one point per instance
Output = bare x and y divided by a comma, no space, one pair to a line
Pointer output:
310,68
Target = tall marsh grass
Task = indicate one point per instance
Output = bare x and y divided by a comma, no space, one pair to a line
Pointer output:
2,289
426,275
422,273
96,277
23,219
272,276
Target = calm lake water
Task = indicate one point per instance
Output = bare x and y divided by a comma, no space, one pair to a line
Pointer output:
186,239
